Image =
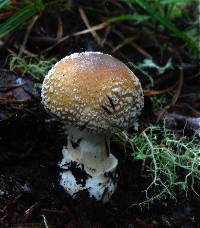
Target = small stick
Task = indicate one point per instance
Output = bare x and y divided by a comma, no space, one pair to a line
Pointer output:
27,35
85,31
175,97
28,213
86,22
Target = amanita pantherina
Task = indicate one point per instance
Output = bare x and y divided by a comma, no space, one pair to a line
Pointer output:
94,94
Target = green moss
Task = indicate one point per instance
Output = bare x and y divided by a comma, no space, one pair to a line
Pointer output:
173,161
31,67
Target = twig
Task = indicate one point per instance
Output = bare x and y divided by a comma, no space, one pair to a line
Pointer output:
87,24
174,119
152,92
53,211
85,31
31,24
141,50
126,41
134,45
30,54
28,213
60,27
5,101
175,97
105,36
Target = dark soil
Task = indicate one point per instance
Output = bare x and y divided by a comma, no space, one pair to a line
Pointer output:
30,147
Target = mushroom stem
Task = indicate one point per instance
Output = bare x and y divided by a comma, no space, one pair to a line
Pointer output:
86,164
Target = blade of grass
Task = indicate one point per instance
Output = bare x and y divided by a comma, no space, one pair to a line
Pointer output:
17,20
165,22
127,17
20,17
4,3
174,1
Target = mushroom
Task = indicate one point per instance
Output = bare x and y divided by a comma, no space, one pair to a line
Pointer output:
95,95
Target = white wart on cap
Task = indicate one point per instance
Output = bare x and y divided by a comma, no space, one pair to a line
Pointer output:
93,90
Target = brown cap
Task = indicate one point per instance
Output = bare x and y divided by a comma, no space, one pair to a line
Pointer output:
93,90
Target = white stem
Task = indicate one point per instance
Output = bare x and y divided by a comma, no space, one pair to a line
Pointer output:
90,153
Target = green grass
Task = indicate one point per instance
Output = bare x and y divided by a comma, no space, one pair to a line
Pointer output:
21,16
28,10
45,221
165,12
31,67
4,4
144,72
128,17
170,162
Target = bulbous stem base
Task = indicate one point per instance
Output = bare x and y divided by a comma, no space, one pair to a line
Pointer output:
86,165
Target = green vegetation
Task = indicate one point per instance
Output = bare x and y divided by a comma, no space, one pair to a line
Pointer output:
149,63
159,102
157,15
36,68
164,12
45,221
171,161
136,17
21,16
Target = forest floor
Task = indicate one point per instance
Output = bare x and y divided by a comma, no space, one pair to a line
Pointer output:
31,140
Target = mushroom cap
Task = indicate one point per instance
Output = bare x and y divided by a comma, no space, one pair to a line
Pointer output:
93,90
